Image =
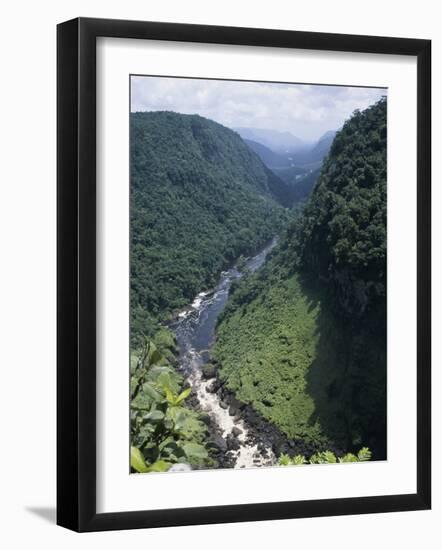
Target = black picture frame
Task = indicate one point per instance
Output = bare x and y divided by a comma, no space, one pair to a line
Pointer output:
76,273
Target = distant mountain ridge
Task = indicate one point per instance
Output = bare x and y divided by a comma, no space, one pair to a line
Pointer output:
283,150
318,152
271,159
298,169
277,141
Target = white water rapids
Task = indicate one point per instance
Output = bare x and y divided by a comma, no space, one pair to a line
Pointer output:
195,331
247,455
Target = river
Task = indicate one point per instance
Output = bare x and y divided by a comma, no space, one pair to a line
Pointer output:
195,332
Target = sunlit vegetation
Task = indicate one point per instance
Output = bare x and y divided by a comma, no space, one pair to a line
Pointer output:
325,457
267,343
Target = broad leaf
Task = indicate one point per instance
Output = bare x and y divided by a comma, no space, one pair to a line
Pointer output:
169,395
154,416
183,396
155,395
159,466
164,381
142,401
154,357
137,460
194,450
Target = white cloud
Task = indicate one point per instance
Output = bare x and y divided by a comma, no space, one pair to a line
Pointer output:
304,110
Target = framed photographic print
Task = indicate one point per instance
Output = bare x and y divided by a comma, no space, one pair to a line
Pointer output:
243,274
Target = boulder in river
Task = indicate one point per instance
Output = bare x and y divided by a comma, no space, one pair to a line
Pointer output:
237,404
219,443
204,417
232,443
229,460
212,388
236,431
209,371
215,386
205,354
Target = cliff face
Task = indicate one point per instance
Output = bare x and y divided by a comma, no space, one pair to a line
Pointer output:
345,223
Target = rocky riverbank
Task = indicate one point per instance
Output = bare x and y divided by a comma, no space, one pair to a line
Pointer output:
266,439
239,437
232,442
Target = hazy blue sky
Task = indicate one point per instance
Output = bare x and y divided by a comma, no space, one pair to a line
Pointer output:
306,111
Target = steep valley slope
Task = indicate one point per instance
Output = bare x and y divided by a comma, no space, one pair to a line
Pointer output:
303,340
200,198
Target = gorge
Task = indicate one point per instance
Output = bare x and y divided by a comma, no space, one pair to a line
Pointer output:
264,317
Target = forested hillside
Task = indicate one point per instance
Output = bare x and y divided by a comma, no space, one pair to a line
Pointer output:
299,168
304,339
301,184
199,199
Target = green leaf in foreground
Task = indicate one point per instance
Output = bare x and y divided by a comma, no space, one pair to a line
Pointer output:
183,396
325,457
159,466
154,416
163,430
349,457
137,461
284,460
364,454
194,450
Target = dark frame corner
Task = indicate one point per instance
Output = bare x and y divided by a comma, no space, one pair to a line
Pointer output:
76,291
